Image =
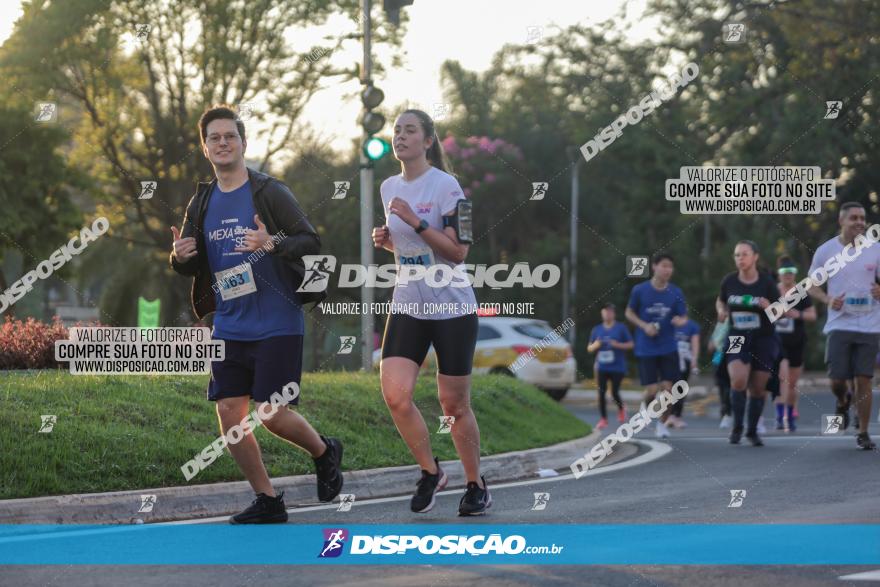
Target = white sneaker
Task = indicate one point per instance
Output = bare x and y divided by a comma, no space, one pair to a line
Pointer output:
761,429
671,422
662,431
726,422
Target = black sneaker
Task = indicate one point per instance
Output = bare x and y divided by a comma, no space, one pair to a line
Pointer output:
263,510
755,439
843,411
864,442
328,469
475,501
736,435
427,488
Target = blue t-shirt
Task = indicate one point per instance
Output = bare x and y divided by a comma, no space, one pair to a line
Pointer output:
274,308
683,336
611,360
652,305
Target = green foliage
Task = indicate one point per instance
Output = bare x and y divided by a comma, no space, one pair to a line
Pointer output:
134,102
128,110
761,103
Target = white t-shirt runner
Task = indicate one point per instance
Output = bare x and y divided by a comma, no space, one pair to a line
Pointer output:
860,311
431,196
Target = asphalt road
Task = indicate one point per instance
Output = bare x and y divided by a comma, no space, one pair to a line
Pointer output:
803,477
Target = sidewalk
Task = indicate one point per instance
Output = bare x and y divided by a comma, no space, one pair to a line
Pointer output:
221,499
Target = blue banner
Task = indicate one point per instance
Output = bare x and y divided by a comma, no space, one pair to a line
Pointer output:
291,544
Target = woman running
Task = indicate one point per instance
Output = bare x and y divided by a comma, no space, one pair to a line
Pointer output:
793,337
610,340
428,225
752,345
687,337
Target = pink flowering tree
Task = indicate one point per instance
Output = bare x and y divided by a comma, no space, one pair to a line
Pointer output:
490,172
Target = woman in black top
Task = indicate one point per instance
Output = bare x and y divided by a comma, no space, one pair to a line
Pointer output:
752,345
793,337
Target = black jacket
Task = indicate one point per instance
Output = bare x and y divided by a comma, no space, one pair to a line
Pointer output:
279,210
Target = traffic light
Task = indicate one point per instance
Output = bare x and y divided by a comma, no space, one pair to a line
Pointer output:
372,122
376,148
392,9
371,97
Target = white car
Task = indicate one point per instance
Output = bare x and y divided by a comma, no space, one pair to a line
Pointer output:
501,341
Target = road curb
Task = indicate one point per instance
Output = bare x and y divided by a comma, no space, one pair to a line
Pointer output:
221,499
576,395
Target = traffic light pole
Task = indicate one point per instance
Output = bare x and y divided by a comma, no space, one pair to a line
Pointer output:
366,208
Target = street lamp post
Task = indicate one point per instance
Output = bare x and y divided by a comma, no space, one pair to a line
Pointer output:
572,273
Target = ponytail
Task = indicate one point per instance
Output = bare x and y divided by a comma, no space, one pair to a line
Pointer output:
435,154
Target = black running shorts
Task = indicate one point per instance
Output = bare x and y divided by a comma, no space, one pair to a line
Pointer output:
454,341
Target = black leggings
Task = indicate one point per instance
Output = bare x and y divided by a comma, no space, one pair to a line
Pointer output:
722,380
677,408
615,379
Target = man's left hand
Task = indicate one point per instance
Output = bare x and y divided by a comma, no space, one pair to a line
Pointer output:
255,239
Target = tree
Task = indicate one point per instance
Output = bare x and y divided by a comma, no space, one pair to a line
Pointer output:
36,187
141,91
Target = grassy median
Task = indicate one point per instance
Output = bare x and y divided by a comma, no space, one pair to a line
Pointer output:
135,432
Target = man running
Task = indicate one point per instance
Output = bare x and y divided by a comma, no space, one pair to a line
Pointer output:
258,311
853,323
656,307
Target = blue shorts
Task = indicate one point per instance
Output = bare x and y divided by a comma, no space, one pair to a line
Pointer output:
659,368
257,368
761,352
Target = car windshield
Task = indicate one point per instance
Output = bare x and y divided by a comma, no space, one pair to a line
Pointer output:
534,329
487,332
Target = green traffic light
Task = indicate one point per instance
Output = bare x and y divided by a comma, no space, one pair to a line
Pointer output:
376,148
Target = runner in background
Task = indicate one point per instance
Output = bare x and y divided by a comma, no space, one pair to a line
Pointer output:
752,345
610,340
793,336
687,337
656,307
